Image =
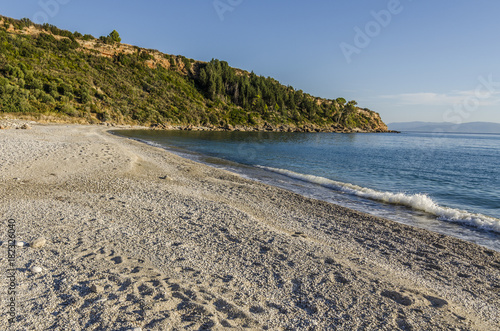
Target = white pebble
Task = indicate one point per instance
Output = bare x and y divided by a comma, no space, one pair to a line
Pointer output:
19,244
39,242
36,270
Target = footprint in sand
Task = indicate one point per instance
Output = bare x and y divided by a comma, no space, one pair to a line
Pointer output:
113,291
299,234
436,302
398,297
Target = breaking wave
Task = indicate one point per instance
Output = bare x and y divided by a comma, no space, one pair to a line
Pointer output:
419,201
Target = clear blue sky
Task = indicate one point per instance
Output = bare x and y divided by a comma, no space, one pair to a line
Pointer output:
421,60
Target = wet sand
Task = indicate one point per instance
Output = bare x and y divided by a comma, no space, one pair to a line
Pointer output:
137,237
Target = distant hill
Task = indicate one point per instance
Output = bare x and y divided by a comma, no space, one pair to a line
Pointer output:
471,127
46,71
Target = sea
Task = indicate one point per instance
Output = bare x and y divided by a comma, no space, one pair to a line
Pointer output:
445,182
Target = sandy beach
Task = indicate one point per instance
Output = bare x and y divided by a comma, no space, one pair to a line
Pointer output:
137,238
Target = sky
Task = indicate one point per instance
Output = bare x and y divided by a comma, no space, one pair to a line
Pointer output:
409,60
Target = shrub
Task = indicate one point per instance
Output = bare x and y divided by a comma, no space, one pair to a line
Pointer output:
65,89
69,110
187,63
144,56
112,38
44,97
83,95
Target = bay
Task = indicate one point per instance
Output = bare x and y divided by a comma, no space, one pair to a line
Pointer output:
447,183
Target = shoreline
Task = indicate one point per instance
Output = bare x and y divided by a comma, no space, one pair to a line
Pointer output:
10,122
306,128
148,239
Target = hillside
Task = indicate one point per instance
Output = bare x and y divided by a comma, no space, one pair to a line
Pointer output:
46,72
471,127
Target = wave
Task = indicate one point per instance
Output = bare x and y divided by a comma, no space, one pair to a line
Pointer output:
419,201
150,143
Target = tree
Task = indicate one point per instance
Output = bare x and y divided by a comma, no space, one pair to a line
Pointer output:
25,22
212,87
115,36
341,101
203,77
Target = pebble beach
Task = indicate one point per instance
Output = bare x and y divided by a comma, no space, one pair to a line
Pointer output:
101,232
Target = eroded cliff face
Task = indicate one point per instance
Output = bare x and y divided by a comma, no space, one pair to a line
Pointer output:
374,121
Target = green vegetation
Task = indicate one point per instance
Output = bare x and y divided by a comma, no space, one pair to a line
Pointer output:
49,72
113,37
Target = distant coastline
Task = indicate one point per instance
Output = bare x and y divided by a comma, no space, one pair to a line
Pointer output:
447,127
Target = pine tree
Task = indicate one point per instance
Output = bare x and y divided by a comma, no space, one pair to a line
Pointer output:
115,36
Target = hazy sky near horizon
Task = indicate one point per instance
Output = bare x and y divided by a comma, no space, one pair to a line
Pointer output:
408,60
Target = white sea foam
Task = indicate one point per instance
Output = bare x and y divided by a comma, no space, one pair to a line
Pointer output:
150,143
418,201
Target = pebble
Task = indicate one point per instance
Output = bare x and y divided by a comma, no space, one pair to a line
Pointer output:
20,244
135,329
96,288
25,126
36,270
39,242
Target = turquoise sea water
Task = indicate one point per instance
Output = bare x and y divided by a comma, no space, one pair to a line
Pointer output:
447,183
